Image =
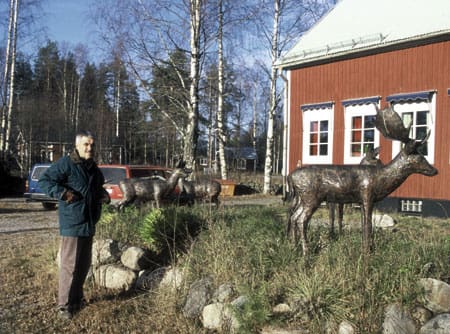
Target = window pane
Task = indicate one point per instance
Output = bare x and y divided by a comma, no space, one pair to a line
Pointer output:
356,136
356,122
407,118
324,137
421,132
421,118
313,138
368,147
356,150
369,121
323,149
369,135
314,126
324,126
312,150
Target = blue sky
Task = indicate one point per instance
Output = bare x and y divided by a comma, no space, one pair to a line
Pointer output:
67,21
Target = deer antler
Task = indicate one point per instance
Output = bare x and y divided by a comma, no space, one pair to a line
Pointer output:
391,126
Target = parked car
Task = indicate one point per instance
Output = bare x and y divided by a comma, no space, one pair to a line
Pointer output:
32,191
115,173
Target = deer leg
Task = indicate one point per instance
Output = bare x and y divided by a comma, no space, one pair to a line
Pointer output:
331,211
366,210
340,216
301,217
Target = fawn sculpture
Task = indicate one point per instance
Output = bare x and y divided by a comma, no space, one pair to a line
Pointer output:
146,189
201,190
363,184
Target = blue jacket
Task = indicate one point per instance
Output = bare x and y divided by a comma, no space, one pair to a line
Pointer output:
76,219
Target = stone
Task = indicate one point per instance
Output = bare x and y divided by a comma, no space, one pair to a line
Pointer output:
135,258
173,278
281,309
437,295
223,293
105,251
150,279
112,276
346,328
198,296
438,325
397,320
383,221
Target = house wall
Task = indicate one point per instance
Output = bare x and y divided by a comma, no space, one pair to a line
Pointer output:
419,68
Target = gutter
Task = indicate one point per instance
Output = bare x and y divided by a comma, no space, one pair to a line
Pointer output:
284,171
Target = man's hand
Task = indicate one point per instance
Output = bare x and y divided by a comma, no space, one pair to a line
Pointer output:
105,199
71,196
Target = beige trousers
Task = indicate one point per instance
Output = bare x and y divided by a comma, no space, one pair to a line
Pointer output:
75,257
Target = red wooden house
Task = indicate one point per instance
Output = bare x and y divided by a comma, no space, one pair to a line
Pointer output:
364,52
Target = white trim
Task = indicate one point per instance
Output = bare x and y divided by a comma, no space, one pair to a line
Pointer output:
349,112
413,106
322,114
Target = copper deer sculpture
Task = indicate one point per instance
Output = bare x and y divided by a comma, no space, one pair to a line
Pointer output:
363,184
201,190
370,158
146,189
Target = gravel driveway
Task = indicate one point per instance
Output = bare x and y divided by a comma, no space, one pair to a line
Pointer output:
16,215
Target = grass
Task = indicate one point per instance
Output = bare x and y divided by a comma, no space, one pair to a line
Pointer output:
245,246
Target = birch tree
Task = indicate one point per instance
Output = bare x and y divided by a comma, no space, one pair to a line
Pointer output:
220,126
148,31
8,78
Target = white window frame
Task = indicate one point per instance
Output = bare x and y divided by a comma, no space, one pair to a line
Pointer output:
312,114
414,106
351,111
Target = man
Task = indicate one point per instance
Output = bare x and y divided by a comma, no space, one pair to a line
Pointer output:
77,183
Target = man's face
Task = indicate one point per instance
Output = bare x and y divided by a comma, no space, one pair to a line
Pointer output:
85,148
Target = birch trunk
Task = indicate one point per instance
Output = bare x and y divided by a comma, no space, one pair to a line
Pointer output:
7,70
273,101
220,129
191,134
11,77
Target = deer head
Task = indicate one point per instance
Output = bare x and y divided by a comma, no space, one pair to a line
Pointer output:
391,126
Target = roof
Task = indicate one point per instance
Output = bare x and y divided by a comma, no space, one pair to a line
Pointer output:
353,26
248,153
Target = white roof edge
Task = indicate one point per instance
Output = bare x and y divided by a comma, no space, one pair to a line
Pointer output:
296,60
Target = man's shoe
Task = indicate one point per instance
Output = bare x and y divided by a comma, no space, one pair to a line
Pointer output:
65,314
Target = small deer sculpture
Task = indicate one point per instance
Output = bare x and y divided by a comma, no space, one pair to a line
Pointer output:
201,190
146,189
363,184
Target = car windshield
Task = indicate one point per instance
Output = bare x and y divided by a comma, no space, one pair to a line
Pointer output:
113,175
37,172
145,172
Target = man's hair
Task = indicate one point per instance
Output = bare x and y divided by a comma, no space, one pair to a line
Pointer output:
81,134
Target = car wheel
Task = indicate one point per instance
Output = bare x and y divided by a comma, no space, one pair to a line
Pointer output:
49,206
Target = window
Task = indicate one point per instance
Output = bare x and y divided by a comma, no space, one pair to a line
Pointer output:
241,164
360,132
411,206
420,115
317,133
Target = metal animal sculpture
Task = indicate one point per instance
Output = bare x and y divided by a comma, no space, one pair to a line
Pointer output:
201,190
363,184
145,189
370,158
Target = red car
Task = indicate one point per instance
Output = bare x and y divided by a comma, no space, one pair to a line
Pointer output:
115,173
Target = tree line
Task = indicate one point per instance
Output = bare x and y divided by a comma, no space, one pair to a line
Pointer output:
183,79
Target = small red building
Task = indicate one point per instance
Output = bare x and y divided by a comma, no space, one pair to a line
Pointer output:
366,52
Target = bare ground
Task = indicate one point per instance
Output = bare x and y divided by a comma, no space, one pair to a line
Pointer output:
28,279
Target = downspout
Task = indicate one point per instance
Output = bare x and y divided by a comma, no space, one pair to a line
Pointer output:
284,171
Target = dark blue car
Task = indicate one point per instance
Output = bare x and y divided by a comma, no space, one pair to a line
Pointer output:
33,193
